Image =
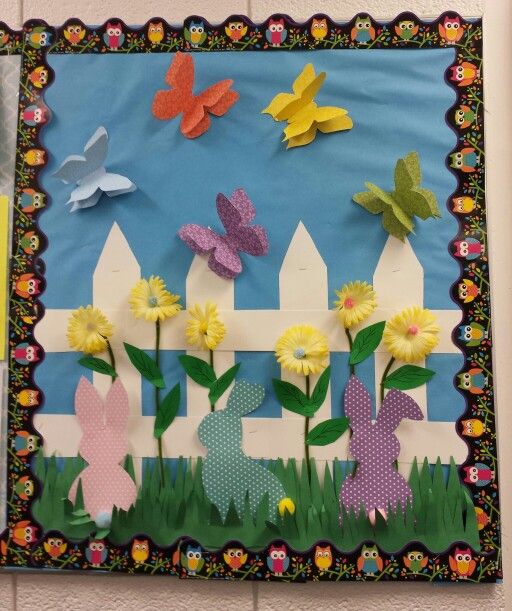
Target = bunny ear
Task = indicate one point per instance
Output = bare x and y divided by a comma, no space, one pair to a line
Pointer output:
358,404
245,398
89,407
117,406
395,407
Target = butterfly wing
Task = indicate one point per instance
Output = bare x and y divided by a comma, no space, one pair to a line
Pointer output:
252,240
305,87
223,260
217,100
115,184
86,202
77,167
168,103
236,213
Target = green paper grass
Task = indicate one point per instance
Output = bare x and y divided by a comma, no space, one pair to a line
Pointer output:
441,513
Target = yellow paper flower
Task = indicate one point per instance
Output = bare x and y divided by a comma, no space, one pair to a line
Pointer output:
151,300
302,349
286,504
411,334
204,328
356,301
88,330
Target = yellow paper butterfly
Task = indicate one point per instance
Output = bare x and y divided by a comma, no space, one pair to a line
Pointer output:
303,114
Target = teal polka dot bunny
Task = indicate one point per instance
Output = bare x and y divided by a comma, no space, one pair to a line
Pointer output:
228,474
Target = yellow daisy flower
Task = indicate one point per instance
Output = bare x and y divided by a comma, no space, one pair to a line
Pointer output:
286,505
151,300
204,328
88,330
411,334
302,349
356,301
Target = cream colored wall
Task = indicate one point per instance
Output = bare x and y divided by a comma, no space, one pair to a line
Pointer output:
24,592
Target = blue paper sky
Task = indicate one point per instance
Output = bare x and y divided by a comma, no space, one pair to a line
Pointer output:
397,99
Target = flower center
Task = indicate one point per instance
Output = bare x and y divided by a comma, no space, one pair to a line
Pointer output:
203,327
413,330
348,303
299,353
91,327
153,301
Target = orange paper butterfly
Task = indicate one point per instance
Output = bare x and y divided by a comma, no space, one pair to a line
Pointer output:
169,103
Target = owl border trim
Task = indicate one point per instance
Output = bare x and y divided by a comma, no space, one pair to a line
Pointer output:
406,31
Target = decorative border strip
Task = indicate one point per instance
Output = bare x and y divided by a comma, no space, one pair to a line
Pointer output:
22,544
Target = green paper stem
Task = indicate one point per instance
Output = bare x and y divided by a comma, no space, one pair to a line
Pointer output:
157,402
112,358
384,376
306,429
212,405
352,367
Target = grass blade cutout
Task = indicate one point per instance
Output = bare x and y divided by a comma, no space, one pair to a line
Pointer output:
408,377
198,370
408,199
167,412
327,432
366,342
145,365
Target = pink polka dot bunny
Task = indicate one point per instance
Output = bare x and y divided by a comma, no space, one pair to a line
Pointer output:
376,485
105,483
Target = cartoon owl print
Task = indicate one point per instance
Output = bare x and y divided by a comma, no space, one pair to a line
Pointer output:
323,557
363,31
113,36
276,32
319,28
155,32
369,562
278,560
140,550
451,30
96,552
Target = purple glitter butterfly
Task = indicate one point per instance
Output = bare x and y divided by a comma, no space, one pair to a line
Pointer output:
376,485
236,214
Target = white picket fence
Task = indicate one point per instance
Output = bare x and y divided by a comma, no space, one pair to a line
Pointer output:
304,298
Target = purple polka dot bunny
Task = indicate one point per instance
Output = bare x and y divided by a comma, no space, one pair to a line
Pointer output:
376,485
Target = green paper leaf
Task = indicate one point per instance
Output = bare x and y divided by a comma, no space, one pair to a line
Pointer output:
200,371
320,391
102,533
167,412
79,513
98,365
221,384
408,376
328,431
145,365
83,520
292,398
366,341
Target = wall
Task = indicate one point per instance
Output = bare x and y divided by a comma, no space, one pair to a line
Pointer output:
22,591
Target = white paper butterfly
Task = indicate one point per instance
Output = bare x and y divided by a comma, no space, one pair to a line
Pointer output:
88,172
